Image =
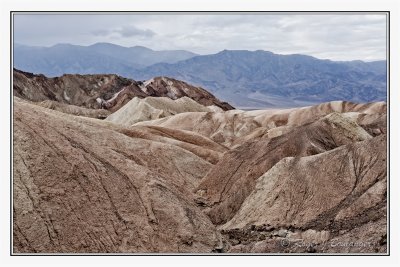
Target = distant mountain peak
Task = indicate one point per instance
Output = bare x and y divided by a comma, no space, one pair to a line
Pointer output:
142,48
65,45
97,58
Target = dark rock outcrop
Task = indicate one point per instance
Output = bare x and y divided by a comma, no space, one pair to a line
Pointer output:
104,91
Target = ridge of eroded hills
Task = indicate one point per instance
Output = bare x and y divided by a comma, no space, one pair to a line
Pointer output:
104,91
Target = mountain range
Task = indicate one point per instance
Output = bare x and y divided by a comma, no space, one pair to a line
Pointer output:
99,58
246,79
265,79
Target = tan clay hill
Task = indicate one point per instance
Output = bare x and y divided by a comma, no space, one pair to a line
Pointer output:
151,108
344,205
74,110
82,186
172,173
109,91
234,127
226,186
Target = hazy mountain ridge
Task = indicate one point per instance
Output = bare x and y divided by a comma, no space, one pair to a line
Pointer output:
99,58
243,78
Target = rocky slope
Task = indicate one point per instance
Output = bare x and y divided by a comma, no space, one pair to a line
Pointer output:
109,92
151,108
83,186
321,210
74,110
284,191
221,127
229,183
172,88
234,127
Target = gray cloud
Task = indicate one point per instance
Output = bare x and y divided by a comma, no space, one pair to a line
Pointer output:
125,31
130,31
101,32
328,36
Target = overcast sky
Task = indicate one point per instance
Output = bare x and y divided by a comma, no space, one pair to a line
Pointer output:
336,37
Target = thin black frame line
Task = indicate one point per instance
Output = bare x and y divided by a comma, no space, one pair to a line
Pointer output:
388,127
199,254
365,12
11,131
200,12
